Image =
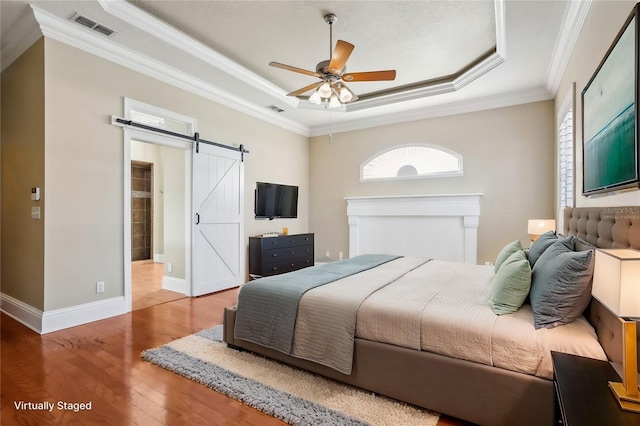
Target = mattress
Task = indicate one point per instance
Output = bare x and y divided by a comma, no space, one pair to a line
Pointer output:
436,306
444,307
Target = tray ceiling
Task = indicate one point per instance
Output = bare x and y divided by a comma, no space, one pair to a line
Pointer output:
449,55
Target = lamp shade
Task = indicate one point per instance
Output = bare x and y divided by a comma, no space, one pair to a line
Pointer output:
616,281
540,226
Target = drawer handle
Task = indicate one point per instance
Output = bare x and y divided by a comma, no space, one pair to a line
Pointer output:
274,255
293,252
275,268
292,264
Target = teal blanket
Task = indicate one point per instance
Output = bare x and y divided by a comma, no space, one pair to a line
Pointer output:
267,307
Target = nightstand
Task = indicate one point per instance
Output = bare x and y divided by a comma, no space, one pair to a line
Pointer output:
581,393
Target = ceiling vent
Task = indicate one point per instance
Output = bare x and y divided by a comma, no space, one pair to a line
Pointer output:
275,108
83,20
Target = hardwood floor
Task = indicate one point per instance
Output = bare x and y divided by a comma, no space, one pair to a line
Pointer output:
146,285
99,363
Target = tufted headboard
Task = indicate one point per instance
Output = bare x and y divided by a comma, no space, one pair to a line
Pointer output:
606,227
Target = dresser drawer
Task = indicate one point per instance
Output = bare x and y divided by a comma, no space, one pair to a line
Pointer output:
286,266
274,243
293,252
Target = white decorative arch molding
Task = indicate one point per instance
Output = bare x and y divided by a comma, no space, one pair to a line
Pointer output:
443,226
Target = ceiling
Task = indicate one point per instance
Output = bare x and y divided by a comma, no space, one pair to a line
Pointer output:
450,56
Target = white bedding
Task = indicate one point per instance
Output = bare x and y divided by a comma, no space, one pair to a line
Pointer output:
443,307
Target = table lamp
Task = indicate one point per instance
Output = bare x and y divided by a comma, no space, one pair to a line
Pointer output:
616,284
538,227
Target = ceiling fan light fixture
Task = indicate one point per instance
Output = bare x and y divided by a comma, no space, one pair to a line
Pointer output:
325,90
345,95
334,102
331,89
315,98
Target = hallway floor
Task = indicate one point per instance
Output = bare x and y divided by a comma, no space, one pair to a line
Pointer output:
146,285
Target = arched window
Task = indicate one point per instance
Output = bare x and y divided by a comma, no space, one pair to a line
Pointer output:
412,162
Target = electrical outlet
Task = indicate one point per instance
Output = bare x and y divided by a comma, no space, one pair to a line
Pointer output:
327,254
340,255
100,287
169,267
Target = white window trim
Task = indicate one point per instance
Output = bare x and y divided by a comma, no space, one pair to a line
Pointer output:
432,175
568,103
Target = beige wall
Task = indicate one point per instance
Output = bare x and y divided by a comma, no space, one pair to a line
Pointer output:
603,22
85,168
23,165
508,157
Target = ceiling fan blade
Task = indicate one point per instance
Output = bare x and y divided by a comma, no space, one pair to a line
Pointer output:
305,89
340,56
294,69
370,76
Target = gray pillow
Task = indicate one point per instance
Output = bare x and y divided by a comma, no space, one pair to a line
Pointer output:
560,284
507,251
540,245
510,286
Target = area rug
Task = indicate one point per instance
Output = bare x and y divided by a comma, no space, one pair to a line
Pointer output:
289,394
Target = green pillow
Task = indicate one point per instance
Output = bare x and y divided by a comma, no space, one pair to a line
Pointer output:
507,251
510,286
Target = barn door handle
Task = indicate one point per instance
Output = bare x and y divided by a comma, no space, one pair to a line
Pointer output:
197,218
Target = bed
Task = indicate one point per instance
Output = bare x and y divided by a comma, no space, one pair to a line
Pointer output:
475,382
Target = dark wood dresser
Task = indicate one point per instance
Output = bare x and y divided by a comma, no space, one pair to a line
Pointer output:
277,255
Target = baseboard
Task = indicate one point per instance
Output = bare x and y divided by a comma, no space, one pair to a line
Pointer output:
25,314
59,319
178,285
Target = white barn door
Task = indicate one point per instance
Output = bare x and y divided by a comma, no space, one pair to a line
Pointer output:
217,243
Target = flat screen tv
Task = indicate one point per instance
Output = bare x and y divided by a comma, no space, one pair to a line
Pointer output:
611,160
274,200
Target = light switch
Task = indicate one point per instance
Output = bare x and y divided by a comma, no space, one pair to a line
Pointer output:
35,212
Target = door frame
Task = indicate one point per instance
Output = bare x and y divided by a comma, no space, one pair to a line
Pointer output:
172,142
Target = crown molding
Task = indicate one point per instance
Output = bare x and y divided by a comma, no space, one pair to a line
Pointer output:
22,35
454,108
73,35
565,43
157,28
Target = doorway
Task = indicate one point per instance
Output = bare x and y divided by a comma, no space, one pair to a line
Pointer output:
158,224
141,211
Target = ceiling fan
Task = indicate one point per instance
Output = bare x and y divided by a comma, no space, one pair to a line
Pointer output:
331,89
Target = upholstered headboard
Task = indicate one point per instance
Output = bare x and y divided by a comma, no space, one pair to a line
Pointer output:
606,227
